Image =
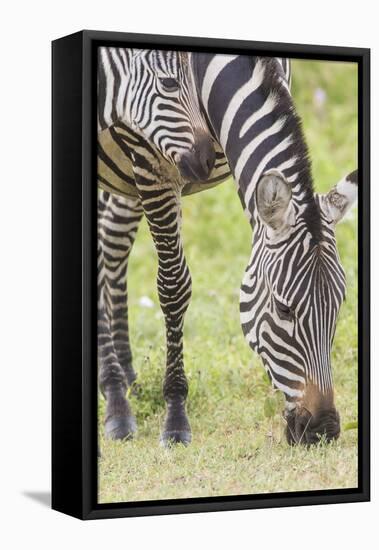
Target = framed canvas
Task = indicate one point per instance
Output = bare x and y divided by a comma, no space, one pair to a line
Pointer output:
246,168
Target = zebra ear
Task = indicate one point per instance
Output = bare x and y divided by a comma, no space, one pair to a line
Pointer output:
273,195
337,202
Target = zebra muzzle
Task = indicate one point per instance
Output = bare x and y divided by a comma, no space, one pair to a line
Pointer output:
197,164
309,429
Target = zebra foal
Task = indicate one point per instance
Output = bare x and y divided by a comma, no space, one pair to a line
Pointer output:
152,141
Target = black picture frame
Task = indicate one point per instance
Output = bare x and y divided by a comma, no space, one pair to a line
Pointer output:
74,386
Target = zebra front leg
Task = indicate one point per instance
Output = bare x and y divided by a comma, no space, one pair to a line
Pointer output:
118,221
162,210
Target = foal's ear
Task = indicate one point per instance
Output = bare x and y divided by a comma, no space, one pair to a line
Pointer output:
273,195
337,202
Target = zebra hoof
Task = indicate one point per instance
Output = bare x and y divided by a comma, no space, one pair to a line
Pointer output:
120,427
169,438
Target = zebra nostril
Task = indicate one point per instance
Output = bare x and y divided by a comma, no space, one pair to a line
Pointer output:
208,157
205,152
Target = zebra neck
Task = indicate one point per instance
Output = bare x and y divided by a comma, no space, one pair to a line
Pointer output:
253,116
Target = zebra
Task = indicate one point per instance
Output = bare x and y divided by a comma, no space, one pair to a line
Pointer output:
153,145
251,116
294,283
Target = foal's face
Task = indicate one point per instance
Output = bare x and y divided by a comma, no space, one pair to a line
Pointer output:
168,112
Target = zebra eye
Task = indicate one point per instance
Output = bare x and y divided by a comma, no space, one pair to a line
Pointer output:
171,84
283,310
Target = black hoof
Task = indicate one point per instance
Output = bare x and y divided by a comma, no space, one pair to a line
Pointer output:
120,427
173,437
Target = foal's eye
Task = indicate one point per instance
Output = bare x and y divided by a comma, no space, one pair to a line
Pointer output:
170,84
283,310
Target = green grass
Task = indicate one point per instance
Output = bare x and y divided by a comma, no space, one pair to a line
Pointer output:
237,448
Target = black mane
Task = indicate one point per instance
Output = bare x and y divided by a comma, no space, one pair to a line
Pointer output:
286,108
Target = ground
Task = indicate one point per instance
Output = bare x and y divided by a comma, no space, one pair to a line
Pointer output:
238,443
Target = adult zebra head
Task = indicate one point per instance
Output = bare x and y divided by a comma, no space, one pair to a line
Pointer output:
291,294
153,92
294,283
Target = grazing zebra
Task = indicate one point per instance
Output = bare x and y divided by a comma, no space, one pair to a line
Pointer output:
294,267
294,283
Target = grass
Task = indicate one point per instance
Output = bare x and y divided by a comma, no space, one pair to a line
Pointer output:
238,443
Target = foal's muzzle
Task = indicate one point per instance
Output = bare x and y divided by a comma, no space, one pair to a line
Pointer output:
307,429
197,164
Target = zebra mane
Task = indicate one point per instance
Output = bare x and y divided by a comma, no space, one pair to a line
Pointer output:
286,108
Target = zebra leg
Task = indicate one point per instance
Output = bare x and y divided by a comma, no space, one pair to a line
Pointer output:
163,213
118,221
119,230
119,420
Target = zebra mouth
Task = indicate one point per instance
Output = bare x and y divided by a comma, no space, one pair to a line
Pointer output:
307,429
